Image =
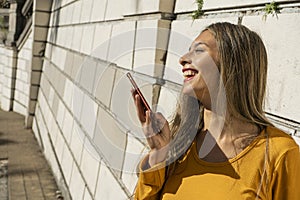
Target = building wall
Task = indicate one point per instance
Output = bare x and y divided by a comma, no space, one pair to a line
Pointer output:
21,97
279,33
7,74
75,100
84,118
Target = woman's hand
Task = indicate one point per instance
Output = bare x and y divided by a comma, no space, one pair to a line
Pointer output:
156,129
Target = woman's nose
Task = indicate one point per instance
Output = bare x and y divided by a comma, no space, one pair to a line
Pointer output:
185,59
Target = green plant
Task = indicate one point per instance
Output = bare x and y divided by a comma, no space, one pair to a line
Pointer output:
4,3
197,13
271,8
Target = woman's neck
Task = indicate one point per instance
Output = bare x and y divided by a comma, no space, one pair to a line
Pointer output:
222,127
224,137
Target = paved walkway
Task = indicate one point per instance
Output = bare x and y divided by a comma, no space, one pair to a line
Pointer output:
28,174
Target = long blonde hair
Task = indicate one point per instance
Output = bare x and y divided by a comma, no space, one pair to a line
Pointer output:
242,62
243,67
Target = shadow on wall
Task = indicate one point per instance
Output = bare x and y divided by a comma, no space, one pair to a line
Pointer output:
137,3
3,28
55,20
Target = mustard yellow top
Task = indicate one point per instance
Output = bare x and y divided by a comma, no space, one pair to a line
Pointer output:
258,172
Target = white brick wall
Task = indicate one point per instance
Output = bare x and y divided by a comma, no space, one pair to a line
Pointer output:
135,151
104,81
107,186
98,10
58,57
109,139
59,146
7,64
67,164
91,44
87,195
151,40
88,115
167,103
68,37
122,44
114,9
87,44
77,184
77,38
77,11
214,4
185,6
101,41
68,92
86,11
60,113
49,152
132,7
77,101
90,168
67,126
87,72
76,144
191,5
19,108
279,35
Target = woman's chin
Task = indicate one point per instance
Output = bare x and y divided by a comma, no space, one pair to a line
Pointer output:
188,90
196,92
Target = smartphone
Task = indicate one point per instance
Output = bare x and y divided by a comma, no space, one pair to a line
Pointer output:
145,103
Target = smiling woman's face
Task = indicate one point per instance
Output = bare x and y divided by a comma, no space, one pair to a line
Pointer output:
201,74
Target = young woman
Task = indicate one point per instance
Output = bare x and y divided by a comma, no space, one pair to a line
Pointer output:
219,145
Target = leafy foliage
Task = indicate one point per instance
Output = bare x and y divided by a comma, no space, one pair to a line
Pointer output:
197,13
271,8
4,3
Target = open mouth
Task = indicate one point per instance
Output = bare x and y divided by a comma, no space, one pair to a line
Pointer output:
189,73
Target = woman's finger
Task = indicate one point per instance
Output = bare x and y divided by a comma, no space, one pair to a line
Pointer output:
158,121
133,92
140,109
166,133
147,126
148,118
138,105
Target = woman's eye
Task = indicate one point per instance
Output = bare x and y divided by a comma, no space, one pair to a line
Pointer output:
199,50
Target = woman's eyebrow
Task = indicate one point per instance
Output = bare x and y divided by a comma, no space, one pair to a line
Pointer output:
197,44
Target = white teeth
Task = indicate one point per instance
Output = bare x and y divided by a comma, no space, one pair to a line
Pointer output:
189,73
